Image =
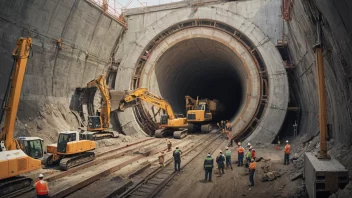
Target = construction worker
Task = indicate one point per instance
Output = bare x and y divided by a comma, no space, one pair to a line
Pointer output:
222,126
169,145
228,129
177,159
249,145
240,152
208,167
220,160
253,152
228,158
161,159
252,167
287,151
41,187
248,157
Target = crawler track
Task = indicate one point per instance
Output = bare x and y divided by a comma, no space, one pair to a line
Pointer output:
156,181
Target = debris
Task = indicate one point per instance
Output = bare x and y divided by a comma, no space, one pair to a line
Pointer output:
270,176
258,159
296,175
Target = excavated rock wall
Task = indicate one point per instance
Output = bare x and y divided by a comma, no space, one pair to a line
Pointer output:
53,72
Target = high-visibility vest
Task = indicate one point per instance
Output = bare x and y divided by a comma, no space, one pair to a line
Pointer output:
253,153
287,149
208,162
249,154
240,150
228,153
252,165
41,187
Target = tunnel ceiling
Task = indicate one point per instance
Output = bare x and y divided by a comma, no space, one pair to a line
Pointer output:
205,68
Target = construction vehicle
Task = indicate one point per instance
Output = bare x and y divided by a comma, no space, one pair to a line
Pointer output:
13,160
98,125
70,151
169,123
200,113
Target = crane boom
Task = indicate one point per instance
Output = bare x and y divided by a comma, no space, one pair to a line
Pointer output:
145,95
20,54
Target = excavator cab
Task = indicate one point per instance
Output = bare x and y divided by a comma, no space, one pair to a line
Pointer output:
32,146
94,122
64,138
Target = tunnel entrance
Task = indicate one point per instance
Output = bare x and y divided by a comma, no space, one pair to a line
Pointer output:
205,68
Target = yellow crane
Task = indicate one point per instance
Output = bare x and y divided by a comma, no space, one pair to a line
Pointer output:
13,160
170,122
98,125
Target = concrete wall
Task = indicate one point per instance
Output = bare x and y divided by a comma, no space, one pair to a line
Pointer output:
250,17
53,73
337,61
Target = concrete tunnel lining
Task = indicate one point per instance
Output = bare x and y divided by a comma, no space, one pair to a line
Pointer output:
276,104
162,71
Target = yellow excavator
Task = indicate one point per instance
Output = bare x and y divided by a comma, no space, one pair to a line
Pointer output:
98,125
200,113
170,122
69,151
13,160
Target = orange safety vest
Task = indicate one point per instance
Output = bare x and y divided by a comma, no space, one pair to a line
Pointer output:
240,150
41,187
287,149
252,165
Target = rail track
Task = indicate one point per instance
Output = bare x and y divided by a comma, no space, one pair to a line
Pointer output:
151,185
82,177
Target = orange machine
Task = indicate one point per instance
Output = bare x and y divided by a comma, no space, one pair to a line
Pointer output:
14,161
98,125
70,151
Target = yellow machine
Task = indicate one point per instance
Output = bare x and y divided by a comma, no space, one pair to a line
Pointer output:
200,113
170,122
70,151
13,160
98,125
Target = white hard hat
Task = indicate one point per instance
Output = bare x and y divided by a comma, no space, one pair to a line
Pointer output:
249,144
220,151
209,155
41,175
227,147
252,160
286,141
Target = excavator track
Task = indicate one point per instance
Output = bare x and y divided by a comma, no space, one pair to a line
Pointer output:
15,186
161,133
181,134
99,135
76,160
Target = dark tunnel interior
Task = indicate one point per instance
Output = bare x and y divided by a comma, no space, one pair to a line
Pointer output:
205,68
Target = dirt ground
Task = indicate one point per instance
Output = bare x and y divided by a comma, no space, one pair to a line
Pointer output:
190,182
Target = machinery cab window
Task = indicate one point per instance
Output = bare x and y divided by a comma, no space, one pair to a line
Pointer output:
64,138
34,148
203,107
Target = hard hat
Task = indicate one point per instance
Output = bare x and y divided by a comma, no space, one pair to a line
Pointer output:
239,143
252,160
249,144
220,151
41,175
176,147
227,148
209,155
250,147
286,141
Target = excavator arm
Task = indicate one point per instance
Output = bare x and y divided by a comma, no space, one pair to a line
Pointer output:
100,83
145,95
13,93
